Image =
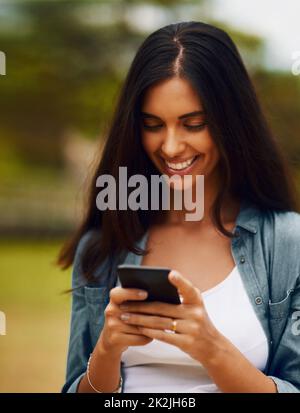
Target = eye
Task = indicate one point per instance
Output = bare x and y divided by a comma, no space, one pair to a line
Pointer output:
196,127
189,127
152,127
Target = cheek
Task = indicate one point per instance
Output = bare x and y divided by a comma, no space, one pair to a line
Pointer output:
207,146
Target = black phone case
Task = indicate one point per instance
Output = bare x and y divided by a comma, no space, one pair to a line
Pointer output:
154,280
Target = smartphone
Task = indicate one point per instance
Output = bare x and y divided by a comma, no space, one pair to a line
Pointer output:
154,280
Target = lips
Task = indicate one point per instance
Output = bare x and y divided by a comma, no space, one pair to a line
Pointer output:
180,168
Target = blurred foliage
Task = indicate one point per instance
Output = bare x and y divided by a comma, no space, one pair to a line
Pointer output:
34,349
280,95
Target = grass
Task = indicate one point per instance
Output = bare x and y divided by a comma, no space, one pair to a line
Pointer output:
33,351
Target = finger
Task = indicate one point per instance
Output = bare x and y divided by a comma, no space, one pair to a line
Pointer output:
137,340
160,323
177,340
189,293
156,308
125,328
118,294
157,323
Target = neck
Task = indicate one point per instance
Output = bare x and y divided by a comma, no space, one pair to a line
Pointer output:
229,210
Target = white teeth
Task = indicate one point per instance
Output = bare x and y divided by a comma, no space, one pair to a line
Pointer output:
180,165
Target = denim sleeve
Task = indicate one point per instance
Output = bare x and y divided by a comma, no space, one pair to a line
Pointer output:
80,345
285,369
284,386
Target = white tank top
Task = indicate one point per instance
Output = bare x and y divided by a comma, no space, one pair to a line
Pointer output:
159,367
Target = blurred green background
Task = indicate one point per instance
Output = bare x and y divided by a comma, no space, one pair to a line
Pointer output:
65,62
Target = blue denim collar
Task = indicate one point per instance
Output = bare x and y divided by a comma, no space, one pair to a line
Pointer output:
248,217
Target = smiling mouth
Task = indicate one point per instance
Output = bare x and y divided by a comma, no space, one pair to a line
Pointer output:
181,167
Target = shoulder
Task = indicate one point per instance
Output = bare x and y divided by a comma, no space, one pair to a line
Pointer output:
83,242
90,256
277,237
78,278
281,235
272,225
284,226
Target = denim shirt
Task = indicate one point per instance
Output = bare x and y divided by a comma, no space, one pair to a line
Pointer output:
267,254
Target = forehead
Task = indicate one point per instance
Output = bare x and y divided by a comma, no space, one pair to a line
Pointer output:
171,97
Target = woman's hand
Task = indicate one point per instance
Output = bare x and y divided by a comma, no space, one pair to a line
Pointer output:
195,333
116,336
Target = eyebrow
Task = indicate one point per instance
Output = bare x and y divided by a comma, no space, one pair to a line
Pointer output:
186,115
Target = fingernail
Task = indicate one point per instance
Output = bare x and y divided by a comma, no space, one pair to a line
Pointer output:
142,294
174,275
125,316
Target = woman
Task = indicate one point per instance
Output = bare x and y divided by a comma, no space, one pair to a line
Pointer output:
188,107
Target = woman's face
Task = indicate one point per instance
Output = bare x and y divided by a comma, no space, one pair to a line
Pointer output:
174,133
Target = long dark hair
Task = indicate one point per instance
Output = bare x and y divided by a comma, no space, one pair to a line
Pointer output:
253,166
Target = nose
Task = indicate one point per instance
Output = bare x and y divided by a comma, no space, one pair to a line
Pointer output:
172,145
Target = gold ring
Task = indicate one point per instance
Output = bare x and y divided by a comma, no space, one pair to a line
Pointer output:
174,325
